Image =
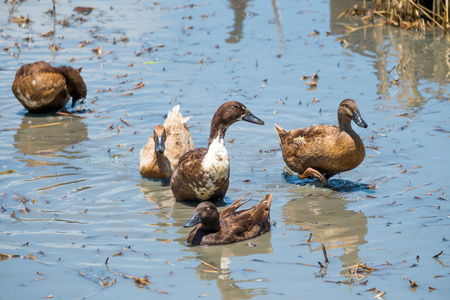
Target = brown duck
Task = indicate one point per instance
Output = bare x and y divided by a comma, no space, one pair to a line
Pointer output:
39,87
203,174
229,226
159,158
322,151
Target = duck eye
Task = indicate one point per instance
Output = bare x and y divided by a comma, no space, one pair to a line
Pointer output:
235,106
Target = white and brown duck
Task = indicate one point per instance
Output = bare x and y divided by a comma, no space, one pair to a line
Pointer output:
160,156
322,151
39,87
203,173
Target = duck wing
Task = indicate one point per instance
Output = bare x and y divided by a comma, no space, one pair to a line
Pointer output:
232,207
242,225
188,174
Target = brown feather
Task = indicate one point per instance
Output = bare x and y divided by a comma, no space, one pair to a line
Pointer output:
39,87
325,148
233,226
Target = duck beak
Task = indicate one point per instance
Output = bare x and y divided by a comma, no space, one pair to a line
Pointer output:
249,117
194,220
160,147
358,120
74,101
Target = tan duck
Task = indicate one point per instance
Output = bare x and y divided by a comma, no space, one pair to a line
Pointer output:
159,158
229,226
39,87
203,173
322,151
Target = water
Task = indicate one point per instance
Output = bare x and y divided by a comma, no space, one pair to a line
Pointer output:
90,203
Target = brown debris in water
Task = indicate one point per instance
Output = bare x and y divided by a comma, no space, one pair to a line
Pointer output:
84,10
126,123
138,86
7,256
412,283
380,295
69,115
122,95
22,21
437,255
82,44
47,34
98,51
16,45
102,280
141,282
325,253
309,239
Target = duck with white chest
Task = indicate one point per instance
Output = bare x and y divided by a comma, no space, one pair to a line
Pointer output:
203,173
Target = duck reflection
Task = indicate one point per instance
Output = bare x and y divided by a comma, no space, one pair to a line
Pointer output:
238,6
325,215
48,136
215,264
161,195
388,46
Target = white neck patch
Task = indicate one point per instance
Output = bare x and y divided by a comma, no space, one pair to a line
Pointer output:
217,157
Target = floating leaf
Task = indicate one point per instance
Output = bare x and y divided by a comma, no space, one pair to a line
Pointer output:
7,172
84,10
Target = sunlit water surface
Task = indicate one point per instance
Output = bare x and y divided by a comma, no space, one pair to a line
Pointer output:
76,200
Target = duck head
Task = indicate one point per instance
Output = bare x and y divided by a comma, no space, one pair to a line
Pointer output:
348,110
234,111
207,214
228,114
159,136
75,84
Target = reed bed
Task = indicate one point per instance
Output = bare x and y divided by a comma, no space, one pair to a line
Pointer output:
407,14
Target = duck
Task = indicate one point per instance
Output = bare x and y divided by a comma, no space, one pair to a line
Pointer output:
41,88
159,157
322,151
228,226
203,173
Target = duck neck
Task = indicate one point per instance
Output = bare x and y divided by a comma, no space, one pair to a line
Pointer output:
213,226
346,125
162,162
218,131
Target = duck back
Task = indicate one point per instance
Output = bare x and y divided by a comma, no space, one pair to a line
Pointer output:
39,87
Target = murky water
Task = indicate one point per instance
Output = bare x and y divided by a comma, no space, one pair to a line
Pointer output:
85,201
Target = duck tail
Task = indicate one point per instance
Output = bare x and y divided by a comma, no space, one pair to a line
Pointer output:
266,201
175,118
280,131
283,134
235,205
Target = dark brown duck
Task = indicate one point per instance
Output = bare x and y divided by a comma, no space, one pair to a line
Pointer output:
212,228
203,174
324,150
39,87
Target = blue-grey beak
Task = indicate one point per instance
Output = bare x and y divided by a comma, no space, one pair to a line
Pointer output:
358,120
249,117
160,147
194,220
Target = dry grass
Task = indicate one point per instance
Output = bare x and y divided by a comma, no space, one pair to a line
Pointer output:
407,14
